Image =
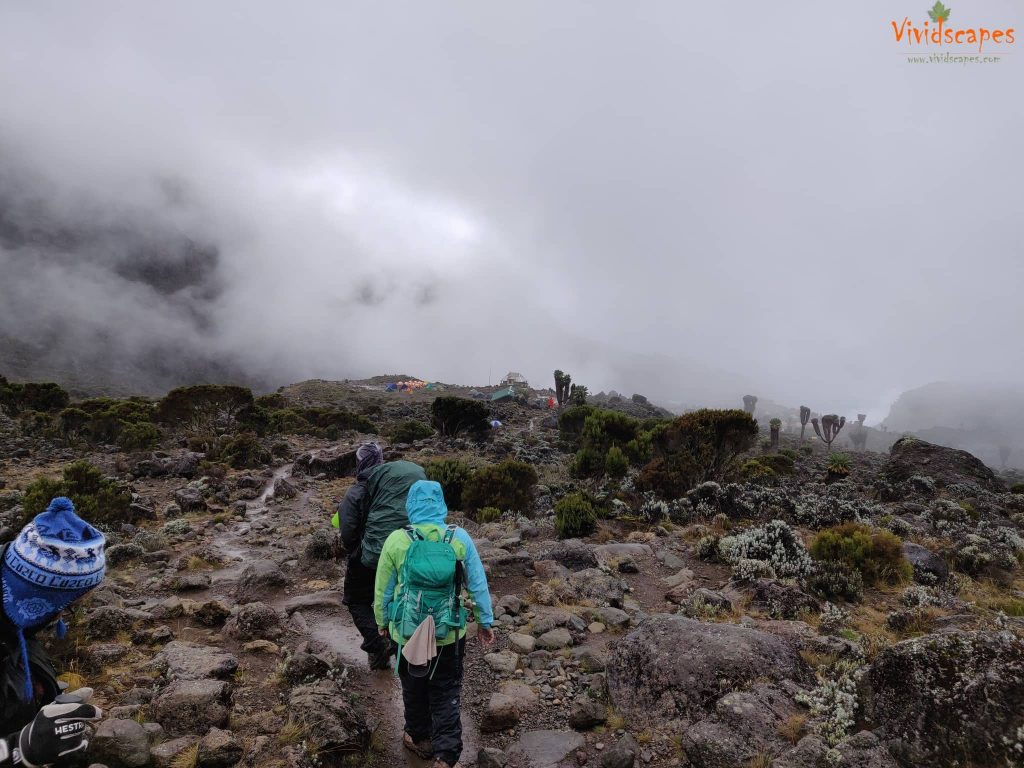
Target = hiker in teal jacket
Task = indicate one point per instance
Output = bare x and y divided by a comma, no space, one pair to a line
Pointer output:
432,696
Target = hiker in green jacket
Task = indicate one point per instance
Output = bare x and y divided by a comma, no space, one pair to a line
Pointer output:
370,511
421,573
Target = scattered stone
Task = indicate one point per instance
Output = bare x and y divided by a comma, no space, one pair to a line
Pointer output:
120,742
335,725
163,754
188,706
259,578
556,639
254,621
546,749
587,713
520,643
190,661
929,568
502,662
219,749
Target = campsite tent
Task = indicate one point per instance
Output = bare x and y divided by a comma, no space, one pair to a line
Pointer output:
503,394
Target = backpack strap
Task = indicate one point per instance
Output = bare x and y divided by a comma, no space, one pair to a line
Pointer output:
413,534
449,533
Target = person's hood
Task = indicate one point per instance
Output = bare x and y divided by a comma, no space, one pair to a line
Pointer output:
425,503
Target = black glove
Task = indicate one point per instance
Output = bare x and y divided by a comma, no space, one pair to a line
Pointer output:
59,729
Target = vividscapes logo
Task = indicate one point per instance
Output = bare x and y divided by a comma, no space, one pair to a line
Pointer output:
940,33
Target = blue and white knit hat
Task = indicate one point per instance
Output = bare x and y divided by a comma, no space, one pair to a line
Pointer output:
56,559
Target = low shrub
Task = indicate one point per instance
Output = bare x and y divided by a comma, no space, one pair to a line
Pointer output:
835,581
138,437
409,431
214,408
756,471
615,463
487,515
506,485
246,452
574,516
774,543
875,553
781,463
1017,488
452,474
98,499
714,439
571,420
318,422
44,397
453,415
670,477
706,549
838,464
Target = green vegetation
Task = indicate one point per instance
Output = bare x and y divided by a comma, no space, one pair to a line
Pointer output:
103,420
32,396
608,441
97,499
409,431
615,463
506,485
714,439
838,464
487,515
452,474
834,580
1017,488
574,516
453,415
877,554
318,422
215,408
245,452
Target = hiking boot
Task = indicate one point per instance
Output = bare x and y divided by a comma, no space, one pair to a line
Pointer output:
422,749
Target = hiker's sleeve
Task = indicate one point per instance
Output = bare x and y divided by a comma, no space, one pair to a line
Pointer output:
476,581
351,516
384,584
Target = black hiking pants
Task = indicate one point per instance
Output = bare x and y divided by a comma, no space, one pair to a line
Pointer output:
432,704
358,596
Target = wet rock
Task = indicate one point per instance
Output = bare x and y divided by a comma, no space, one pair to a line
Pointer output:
107,620
100,655
943,699
191,661
673,667
258,579
219,749
188,706
285,488
254,621
929,568
509,604
546,749
121,743
327,599
163,754
622,755
335,726
210,613
910,456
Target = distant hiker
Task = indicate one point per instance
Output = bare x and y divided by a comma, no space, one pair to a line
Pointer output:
418,604
370,511
56,559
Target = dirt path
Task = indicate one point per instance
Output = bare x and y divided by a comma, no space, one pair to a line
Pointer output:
381,691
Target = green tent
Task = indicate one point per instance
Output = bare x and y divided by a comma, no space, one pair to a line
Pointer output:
503,394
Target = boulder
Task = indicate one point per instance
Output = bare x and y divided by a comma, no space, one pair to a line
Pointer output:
910,456
285,489
188,706
545,749
165,753
121,743
587,713
259,578
572,553
929,568
672,667
781,599
501,713
944,699
337,462
219,749
254,621
191,661
743,725
189,500
555,640
336,726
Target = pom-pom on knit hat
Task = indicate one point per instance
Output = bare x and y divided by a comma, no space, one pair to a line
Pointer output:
56,559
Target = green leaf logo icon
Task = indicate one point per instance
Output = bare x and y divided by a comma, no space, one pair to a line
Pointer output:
939,12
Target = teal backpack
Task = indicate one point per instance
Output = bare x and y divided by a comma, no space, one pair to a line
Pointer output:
429,584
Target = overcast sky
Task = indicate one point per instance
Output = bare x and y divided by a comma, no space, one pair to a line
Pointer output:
770,200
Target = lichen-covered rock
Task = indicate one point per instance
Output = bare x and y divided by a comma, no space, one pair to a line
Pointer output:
781,599
120,742
333,463
190,706
259,578
673,667
191,661
254,621
335,726
947,699
929,568
573,553
744,724
910,456
219,749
